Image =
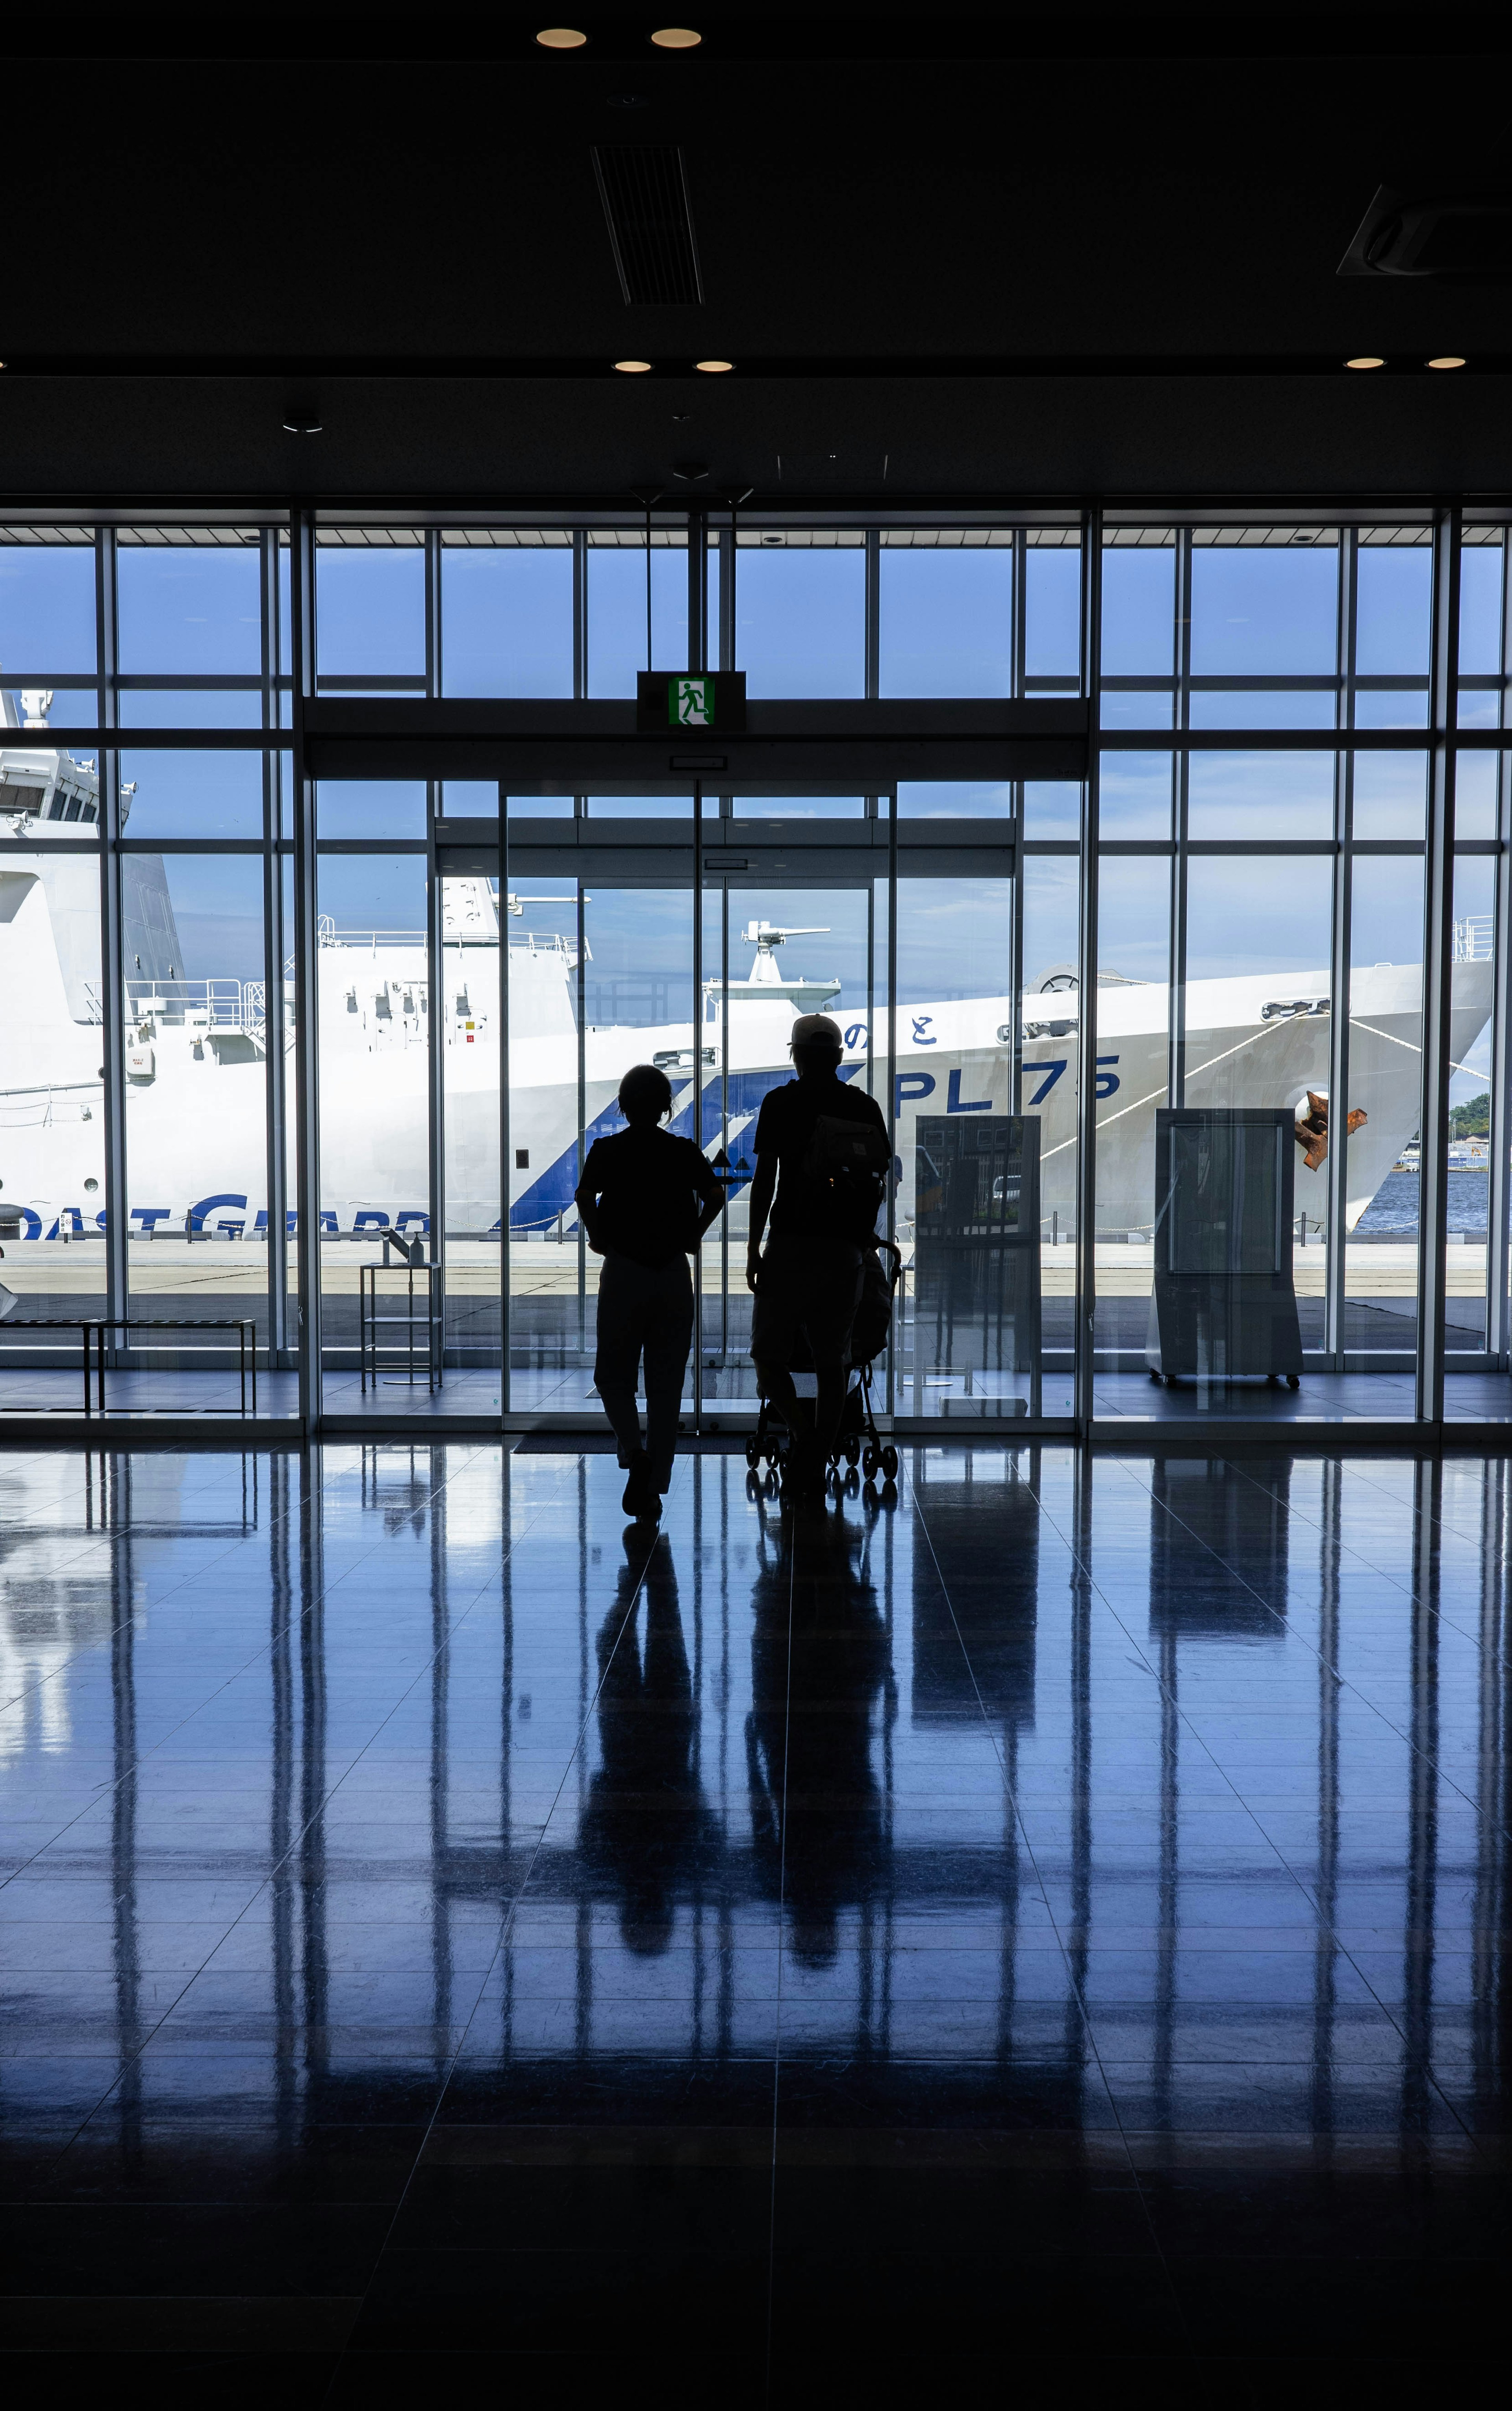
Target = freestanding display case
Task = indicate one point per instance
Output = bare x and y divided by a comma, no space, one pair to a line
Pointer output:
975,1257
1224,1304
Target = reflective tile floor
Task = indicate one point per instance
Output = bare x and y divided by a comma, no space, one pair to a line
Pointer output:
1038,1935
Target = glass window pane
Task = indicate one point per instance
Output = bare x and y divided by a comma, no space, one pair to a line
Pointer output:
799,808
197,1163
1468,1222
1391,795
46,607
1141,709
1260,794
470,1032
192,795
1480,606
506,618
189,708
1139,604
946,622
1241,708
1053,610
1134,793
369,610
374,1007
1386,708
575,1027
616,631
1385,988
800,620
1256,1036
1393,609
1265,610
375,807
956,799
1048,1090
1052,808
44,784
1474,795
52,1192
189,606
1133,1000
969,1215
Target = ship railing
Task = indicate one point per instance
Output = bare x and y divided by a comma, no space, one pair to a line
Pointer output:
1473,940
328,934
533,942
224,1003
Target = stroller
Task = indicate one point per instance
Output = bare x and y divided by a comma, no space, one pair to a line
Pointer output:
858,1442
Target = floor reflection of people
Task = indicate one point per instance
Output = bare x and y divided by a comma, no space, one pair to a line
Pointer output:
818,1808
645,1824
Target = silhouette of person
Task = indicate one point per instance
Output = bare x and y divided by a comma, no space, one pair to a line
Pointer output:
820,1664
645,1821
823,1213
645,1199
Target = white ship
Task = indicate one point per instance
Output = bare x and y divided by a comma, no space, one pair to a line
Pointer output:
198,1055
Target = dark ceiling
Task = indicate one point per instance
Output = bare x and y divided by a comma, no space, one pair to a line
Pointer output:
1021,254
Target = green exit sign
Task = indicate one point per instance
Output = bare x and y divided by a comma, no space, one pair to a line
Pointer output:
690,700
707,702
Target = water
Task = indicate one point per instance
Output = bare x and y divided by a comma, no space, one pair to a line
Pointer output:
1394,1205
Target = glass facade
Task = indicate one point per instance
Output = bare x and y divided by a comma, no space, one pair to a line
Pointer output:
1287,855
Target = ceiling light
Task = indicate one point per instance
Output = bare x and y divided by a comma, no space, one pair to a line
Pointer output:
714,367
633,368
561,37
677,37
302,422
1447,361
690,471
1367,360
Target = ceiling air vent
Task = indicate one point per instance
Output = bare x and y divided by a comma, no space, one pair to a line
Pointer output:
1462,236
644,193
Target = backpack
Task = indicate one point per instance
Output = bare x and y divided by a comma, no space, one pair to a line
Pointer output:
852,1159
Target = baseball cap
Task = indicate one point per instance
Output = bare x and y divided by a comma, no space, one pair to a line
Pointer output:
816,1029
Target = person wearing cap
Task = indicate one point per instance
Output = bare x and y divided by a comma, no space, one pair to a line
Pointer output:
808,1277
645,1199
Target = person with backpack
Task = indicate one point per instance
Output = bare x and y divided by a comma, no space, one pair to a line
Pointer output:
822,1157
646,1200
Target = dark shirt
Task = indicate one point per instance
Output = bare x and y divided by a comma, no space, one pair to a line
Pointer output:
805,1208
648,1195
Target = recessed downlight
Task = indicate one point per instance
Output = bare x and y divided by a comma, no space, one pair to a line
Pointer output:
714,367
677,37
561,37
1446,360
1366,360
633,368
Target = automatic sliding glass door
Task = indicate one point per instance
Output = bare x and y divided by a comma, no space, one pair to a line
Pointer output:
600,977
772,950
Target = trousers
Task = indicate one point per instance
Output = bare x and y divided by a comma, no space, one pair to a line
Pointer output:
644,1313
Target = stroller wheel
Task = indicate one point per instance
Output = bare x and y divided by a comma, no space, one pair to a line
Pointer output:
871,1464
890,1462
754,1454
853,1447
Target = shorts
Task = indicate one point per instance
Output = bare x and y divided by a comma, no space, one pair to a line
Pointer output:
808,1285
